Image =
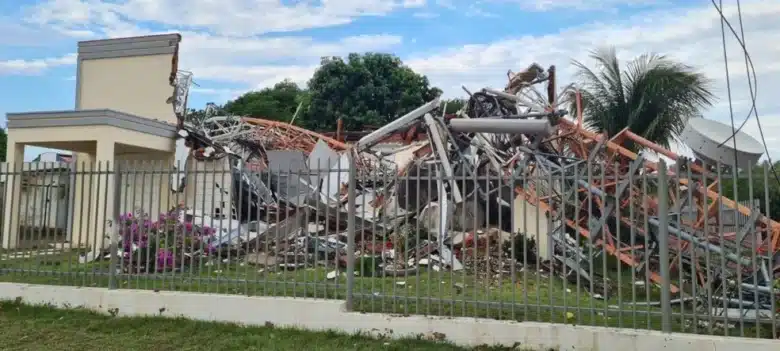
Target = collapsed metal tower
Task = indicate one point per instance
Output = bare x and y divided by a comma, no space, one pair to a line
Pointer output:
597,195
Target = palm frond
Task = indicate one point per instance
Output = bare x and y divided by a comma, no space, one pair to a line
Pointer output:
653,97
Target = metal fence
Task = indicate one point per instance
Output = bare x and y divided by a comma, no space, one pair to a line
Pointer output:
582,244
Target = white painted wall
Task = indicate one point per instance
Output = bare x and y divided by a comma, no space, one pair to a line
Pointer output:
319,314
208,186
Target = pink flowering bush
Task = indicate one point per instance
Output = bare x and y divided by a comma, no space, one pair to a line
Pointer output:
166,244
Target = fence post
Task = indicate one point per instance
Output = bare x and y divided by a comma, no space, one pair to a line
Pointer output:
351,209
112,283
4,199
663,246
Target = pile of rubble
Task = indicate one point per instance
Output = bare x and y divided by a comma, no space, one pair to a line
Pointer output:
303,178
511,182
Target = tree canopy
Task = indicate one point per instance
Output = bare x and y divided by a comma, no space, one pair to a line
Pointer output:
3,144
454,105
653,96
364,90
277,103
761,190
369,89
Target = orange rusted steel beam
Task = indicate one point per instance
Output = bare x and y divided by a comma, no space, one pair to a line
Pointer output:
610,248
298,131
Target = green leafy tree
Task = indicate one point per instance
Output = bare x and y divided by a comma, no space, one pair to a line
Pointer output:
761,190
371,89
653,96
3,144
278,103
454,105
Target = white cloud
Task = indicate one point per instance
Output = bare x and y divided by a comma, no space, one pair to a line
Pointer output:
16,33
692,36
35,66
217,95
229,17
225,41
262,62
447,4
480,7
258,76
222,40
579,5
425,15
476,10
413,3
198,49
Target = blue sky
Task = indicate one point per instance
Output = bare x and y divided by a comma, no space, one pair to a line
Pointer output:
233,46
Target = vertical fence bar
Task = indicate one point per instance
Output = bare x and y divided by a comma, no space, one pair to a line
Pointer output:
351,209
4,202
24,213
104,227
772,302
112,284
95,235
663,246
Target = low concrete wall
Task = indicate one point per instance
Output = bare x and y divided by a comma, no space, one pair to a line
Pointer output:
330,314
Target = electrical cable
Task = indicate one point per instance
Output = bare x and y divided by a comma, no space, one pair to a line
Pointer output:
749,67
753,92
728,88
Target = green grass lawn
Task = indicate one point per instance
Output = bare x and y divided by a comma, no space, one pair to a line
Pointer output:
528,296
36,328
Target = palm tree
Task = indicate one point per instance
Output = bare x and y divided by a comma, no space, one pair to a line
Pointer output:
654,96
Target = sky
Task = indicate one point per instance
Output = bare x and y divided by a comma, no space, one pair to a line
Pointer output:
234,46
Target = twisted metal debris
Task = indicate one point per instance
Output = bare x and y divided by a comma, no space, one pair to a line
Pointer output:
531,160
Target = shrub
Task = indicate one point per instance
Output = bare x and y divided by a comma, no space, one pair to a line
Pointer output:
170,243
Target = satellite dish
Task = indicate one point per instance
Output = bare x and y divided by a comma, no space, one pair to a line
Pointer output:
704,135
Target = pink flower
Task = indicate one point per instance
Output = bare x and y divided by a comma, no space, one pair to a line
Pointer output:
165,259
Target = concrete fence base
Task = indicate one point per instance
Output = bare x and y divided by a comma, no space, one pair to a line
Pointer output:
314,314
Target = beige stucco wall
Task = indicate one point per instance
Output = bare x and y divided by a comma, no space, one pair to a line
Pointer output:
84,138
130,75
144,178
96,149
137,85
145,183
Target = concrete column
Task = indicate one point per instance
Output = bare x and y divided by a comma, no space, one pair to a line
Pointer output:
81,210
12,176
93,196
103,191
